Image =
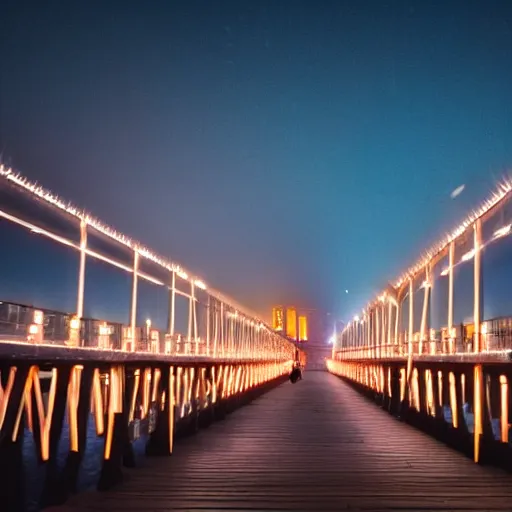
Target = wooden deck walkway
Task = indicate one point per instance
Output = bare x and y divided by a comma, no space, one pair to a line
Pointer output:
316,445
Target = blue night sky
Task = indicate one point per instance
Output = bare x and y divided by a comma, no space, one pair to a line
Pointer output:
284,150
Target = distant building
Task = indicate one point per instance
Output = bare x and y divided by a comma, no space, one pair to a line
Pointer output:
303,324
303,328
291,323
278,318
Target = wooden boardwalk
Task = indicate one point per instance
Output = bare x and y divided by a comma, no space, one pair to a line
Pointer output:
316,445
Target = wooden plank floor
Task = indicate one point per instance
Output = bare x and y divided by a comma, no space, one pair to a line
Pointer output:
316,445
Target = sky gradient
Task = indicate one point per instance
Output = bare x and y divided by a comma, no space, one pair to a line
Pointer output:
283,150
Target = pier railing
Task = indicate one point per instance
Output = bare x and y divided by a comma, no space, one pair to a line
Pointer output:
215,326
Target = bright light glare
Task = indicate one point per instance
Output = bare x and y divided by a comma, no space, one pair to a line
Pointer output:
469,255
504,231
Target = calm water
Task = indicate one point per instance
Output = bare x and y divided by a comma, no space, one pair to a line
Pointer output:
90,468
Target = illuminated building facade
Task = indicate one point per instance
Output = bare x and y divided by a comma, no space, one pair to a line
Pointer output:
303,324
278,318
303,328
291,323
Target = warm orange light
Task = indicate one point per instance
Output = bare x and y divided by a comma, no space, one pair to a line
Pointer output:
303,328
172,401
504,408
291,323
73,399
87,220
38,317
453,400
278,318
74,323
97,402
478,404
6,393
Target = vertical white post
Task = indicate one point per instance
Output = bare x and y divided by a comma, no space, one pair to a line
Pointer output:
222,344
477,239
208,316
390,316
411,313
190,314
424,313
397,322
216,327
239,336
172,304
368,330
478,376
232,335
382,328
451,262
81,270
411,332
133,310
371,329
194,316
365,330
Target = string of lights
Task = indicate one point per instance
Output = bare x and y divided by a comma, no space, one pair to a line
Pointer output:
503,190
68,208
496,199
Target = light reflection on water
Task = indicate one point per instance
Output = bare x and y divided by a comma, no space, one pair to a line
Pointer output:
90,468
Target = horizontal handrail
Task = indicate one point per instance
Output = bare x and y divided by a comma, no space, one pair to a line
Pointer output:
32,326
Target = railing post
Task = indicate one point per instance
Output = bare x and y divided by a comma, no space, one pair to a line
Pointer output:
383,330
194,316
208,316
222,328
377,331
81,270
410,333
424,313
451,262
172,304
477,284
190,317
397,321
133,310
216,327
390,316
